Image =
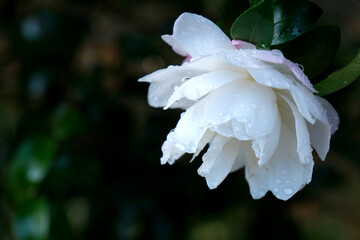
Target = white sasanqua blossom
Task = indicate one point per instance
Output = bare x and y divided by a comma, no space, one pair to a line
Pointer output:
254,108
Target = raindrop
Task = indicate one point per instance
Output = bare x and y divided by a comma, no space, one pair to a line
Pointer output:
180,146
278,181
288,191
300,66
192,93
185,79
277,52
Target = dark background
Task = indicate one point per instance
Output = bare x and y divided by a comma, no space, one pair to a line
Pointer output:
80,147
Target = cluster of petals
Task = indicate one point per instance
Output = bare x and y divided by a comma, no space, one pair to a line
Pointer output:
254,108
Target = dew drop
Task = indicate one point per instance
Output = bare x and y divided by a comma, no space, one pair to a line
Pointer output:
288,191
278,181
180,146
185,79
277,52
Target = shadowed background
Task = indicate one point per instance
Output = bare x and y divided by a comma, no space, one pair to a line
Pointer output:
80,148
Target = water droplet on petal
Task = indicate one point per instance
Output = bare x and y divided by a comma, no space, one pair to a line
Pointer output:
278,181
276,189
288,191
277,52
180,146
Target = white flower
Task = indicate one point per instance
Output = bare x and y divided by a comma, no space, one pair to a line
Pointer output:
254,108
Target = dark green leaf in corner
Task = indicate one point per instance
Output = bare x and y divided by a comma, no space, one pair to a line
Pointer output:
255,25
293,18
314,50
341,78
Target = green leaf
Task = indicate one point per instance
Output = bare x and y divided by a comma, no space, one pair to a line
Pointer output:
254,2
32,220
341,78
314,50
67,121
255,25
29,165
293,18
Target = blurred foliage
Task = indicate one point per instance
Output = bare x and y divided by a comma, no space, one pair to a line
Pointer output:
80,147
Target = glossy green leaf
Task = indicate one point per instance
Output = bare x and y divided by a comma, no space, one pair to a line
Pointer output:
29,165
293,18
255,25
32,220
341,78
314,50
67,121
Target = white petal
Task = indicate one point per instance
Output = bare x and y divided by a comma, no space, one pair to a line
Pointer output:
307,103
163,83
246,103
320,131
270,77
320,135
331,114
283,65
205,139
240,160
297,125
242,58
171,152
264,147
197,36
284,174
218,160
199,86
